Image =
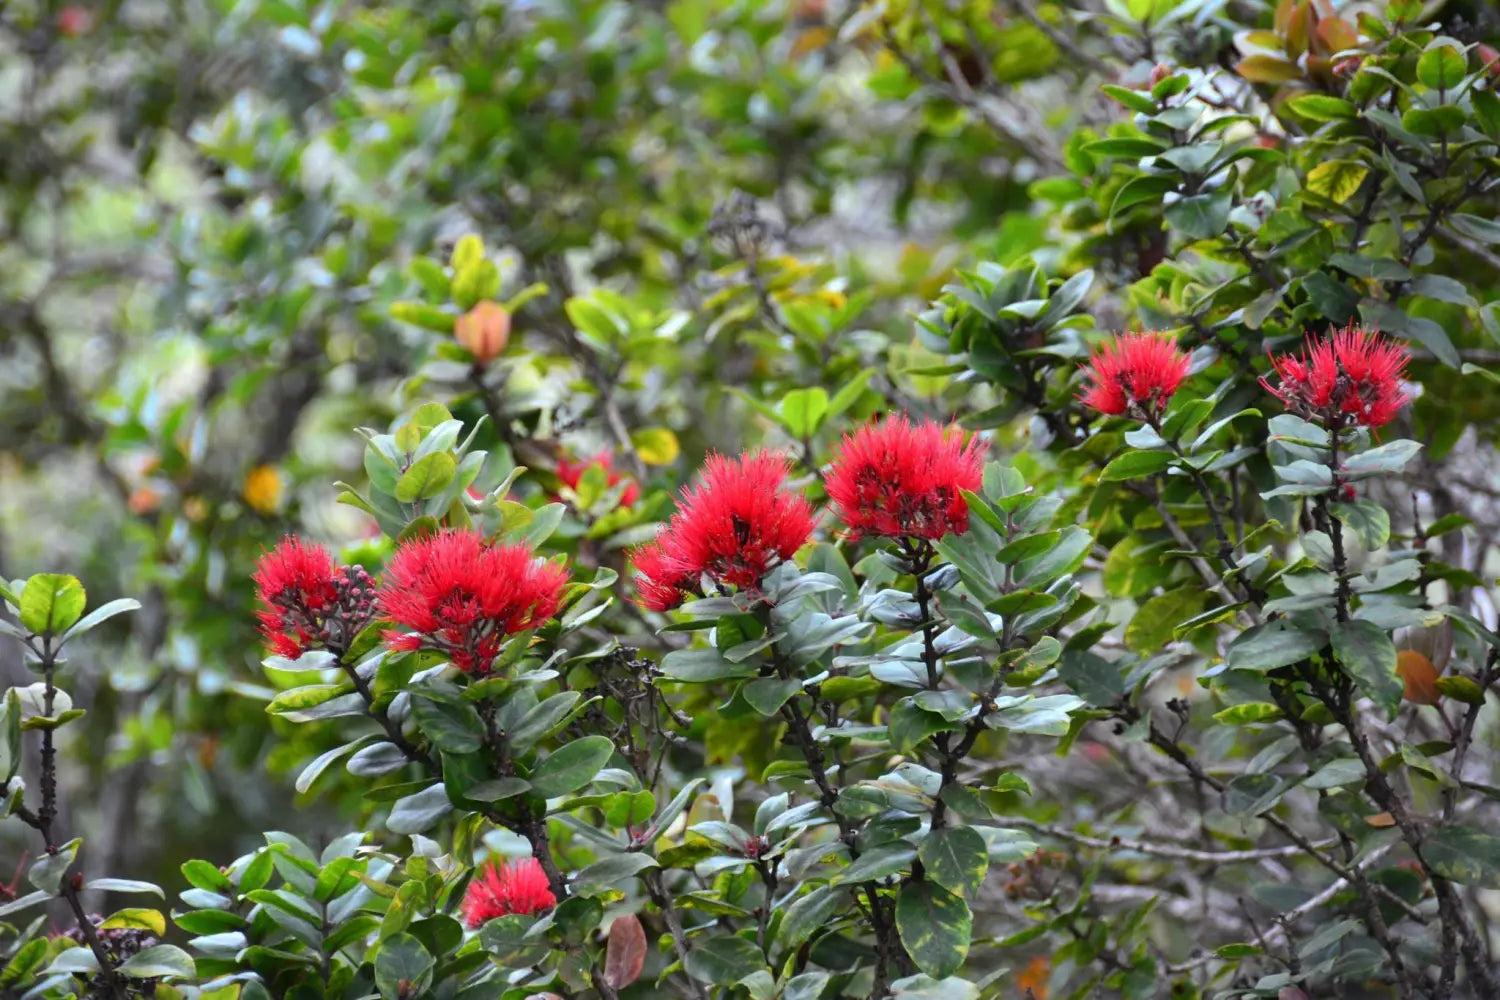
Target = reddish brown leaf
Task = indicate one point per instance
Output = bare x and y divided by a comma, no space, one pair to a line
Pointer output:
626,954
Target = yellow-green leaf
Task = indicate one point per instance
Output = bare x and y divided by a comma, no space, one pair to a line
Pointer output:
1337,180
136,919
656,445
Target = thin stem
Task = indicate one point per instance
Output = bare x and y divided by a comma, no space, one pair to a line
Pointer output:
392,730
887,946
653,882
43,820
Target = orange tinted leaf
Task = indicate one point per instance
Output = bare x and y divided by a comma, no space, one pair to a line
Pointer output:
1419,676
1337,34
1262,68
625,955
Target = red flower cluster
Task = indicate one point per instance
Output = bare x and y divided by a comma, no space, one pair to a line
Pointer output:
900,481
310,602
571,474
461,596
1354,374
498,890
733,527
1138,369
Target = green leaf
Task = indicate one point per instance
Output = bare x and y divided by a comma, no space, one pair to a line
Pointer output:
1336,774
921,987
1273,645
1322,107
157,961
128,885
51,603
722,960
767,694
454,727
427,477
608,872
467,252
47,874
496,790
1200,216
1135,465
956,858
205,876
572,766
1124,146
423,315
1465,855
419,811
1337,180
306,697
403,967
1389,457
1140,190
1097,680
1461,688
135,919
1255,711
103,613
1480,228
541,720
1367,654
1442,67
935,926
910,725
78,960
475,282
1153,624
1132,99
802,411
593,319
879,862
1073,544
656,445
1367,519
808,914
311,772
700,666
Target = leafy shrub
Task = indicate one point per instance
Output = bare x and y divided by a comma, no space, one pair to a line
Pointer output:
1091,602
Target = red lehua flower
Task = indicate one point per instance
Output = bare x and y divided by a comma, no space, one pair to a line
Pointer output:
733,527
1140,369
571,474
900,481
310,602
461,596
1355,373
498,890
663,584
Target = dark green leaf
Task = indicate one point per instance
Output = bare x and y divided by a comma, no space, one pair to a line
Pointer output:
572,766
935,926
1465,855
1267,647
1135,465
418,812
956,858
403,967
1367,519
454,727
722,960
157,961
1367,654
